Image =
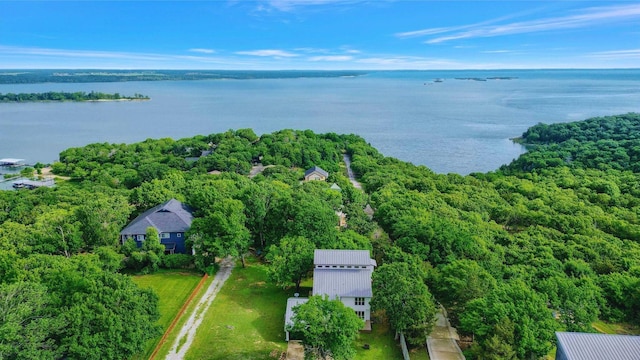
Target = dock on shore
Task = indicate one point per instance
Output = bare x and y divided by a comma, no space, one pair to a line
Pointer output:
11,162
33,184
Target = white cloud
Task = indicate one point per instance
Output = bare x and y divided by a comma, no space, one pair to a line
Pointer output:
268,52
617,54
107,59
289,5
431,31
15,50
441,30
585,18
202,51
331,58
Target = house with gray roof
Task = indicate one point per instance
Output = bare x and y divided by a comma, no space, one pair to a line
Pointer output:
171,219
586,346
344,275
316,173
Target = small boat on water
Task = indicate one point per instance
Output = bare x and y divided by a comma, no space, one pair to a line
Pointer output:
438,80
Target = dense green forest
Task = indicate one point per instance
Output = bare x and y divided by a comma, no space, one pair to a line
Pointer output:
86,76
547,243
67,96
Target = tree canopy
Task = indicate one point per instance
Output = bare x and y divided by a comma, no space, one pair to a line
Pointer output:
549,242
328,328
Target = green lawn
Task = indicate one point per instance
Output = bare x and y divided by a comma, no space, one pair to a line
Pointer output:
618,328
173,288
419,353
381,344
246,319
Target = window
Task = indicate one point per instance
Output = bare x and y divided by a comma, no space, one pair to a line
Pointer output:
165,235
360,314
360,301
179,234
140,237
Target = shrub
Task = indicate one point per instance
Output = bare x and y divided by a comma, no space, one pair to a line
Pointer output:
177,261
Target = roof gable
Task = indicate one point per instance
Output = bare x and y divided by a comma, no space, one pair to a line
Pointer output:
317,169
169,217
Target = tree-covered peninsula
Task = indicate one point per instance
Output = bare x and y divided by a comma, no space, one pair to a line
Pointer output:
550,242
67,96
39,76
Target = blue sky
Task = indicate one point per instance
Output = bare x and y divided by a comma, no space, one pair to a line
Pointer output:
319,34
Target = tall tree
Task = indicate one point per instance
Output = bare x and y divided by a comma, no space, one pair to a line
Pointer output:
328,328
404,297
261,201
153,249
527,310
58,232
221,231
106,315
102,218
27,325
290,261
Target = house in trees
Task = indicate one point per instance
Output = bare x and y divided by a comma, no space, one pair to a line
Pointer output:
344,275
316,173
171,219
586,346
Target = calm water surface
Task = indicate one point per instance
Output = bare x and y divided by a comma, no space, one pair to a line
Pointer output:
458,126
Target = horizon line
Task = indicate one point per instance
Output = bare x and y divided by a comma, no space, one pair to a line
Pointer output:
319,69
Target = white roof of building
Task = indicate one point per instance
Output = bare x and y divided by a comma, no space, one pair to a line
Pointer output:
11,160
585,346
291,302
343,257
342,282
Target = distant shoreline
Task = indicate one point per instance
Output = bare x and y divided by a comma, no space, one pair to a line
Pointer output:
61,101
110,100
42,76
78,96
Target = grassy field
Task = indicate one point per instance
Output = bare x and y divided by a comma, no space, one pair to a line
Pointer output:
620,329
173,289
381,344
246,321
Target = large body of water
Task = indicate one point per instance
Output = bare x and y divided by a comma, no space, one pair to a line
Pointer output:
458,126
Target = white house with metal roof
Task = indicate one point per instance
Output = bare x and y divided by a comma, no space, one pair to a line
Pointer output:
586,346
344,275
